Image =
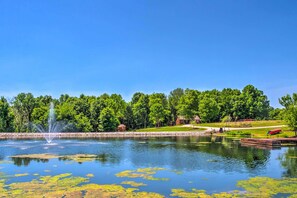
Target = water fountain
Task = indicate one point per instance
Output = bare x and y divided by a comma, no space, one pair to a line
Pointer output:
53,128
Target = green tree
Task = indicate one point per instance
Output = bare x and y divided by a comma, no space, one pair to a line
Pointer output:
82,105
108,120
118,104
209,109
287,101
129,118
66,112
141,111
276,114
40,115
228,98
188,104
82,123
290,114
23,105
6,117
256,103
158,108
173,100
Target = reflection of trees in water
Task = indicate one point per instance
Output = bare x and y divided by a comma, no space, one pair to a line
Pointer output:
26,161
103,158
193,153
289,162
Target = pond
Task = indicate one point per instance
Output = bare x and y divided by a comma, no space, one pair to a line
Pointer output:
153,167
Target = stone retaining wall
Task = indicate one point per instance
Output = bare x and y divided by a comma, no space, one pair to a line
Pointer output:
101,135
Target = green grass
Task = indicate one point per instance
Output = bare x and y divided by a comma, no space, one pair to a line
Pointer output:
261,123
262,133
169,129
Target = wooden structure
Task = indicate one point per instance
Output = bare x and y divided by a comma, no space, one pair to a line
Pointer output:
122,128
197,119
267,143
183,120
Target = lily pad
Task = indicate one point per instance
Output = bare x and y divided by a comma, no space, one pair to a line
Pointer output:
133,183
144,173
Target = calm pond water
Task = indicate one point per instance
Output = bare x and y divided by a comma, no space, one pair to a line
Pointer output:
208,163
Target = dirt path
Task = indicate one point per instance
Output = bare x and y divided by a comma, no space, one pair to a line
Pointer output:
208,128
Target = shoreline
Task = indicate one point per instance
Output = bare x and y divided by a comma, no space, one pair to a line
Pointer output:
101,135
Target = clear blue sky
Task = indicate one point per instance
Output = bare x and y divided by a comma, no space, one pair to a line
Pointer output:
123,46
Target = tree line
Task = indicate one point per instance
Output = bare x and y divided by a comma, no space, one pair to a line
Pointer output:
106,112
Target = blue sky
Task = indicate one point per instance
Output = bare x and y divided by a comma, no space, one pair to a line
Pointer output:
115,46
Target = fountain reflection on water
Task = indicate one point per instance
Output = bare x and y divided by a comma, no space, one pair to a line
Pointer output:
54,127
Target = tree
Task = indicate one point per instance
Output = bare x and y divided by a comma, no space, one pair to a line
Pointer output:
40,115
118,104
255,102
129,118
287,101
82,123
228,99
291,118
66,112
173,100
188,104
158,108
209,109
6,117
23,105
108,120
290,104
141,111
276,114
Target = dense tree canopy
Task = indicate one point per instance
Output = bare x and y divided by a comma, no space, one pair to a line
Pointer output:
290,112
6,116
106,112
159,109
188,104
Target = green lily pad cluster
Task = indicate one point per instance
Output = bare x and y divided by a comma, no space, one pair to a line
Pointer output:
181,193
268,187
253,187
133,183
144,173
66,185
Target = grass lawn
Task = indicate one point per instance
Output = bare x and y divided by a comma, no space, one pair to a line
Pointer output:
169,129
262,133
261,123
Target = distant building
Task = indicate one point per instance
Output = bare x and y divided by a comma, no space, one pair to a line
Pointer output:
197,119
182,120
122,128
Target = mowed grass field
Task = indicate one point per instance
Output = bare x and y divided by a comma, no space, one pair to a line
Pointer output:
169,129
262,133
245,124
255,133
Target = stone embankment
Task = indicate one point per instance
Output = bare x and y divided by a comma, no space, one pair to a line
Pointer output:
100,135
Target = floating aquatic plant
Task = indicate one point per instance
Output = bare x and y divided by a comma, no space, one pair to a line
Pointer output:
253,187
133,183
65,185
144,173
267,187
181,193
21,175
90,175
80,158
